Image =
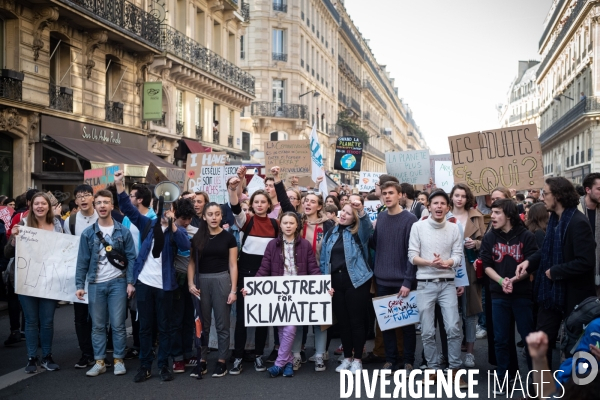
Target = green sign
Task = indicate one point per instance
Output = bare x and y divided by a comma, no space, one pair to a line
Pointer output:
152,108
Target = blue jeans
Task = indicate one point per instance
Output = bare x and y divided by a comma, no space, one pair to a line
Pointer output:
39,323
502,309
153,301
182,325
389,336
108,303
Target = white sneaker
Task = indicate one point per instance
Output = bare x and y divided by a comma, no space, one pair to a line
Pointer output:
313,358
480,333
355,366
297,363
96,370
319,364
119,368
344,365
469,361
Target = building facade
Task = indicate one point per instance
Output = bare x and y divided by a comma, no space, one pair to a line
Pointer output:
311,64
71,87
567,78
523,101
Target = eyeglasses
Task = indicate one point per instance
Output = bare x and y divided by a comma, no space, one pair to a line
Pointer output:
83,195
105,202
133,196
292,198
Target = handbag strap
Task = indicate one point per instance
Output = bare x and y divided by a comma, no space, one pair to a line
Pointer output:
104,243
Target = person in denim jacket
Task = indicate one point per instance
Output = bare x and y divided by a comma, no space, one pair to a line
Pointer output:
347,262
109,287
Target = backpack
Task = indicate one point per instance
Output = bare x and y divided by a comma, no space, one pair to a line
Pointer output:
583,313
72,219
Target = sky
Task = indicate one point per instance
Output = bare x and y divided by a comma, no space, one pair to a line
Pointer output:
453,60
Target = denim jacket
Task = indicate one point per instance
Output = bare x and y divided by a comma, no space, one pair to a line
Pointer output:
89,247
180,237
356,255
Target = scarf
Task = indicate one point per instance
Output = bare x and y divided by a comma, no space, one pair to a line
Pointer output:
583,208
551,294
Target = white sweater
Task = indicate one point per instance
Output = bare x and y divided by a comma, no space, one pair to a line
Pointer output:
428,237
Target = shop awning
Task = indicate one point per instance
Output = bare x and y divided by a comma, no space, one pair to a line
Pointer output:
196,147
206,147
98,153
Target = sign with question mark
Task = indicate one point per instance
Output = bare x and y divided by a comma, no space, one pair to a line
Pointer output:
509,157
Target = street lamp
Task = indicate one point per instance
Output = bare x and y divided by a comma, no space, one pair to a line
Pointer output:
314,92
557,98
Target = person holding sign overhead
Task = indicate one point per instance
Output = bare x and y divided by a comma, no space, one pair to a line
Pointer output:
344,256
39,312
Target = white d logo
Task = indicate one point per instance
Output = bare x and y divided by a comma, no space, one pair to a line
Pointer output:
583,368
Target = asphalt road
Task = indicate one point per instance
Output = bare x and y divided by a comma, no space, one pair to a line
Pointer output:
71,383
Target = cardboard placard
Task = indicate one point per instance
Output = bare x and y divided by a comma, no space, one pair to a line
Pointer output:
256,183
437,157
6,213
45,264
368,180
509,157
393,311
371,207
287,300
409,166
444,177
292,156
176,175
461,278
99,178
348,153
206,172
154,175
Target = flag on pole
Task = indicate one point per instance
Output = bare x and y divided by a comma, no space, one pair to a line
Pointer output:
317,168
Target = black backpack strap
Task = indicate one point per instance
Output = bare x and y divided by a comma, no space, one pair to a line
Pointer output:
72,219
275,226
248,229
146,231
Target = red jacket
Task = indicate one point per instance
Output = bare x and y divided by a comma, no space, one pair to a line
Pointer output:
273,263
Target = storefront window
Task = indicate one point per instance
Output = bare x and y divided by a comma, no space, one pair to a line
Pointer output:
6,165
56,161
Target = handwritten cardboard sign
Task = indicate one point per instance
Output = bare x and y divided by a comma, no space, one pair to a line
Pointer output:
6,213
461,278
99,178
393,311
176,175
444,177
155,176
371,207
256,183
292,156
348,153
409,166
509,157
367,181
287,300
45,264
206,172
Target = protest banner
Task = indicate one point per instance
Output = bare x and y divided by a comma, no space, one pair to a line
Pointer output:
444,178
287,300
409,166
256,183
155,176
100,177
292,156
460,277
45,264
348,153
437,157
176,175
393,311
206,172
371,207
509,157
6,213
367,181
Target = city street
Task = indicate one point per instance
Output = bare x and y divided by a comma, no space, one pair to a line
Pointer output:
71,383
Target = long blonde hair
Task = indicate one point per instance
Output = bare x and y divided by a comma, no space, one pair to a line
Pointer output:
32,220
356,225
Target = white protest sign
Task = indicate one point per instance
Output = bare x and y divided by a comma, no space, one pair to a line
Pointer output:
371,207
367,181
207,172
256,183
461,278
444,177
409,166
287,300
393,311
45,264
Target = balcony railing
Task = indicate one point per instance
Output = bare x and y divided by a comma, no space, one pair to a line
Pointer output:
279,6
215,137
179,127
376,152
161,122
193,52
367,84
124,16
276,110
61,98
114,112
582,107
11,85
355,106
199,130
245,11
230,141
280,57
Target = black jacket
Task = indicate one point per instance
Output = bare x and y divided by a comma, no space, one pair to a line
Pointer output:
503,251
579,260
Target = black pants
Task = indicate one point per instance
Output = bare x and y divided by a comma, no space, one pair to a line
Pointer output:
350,308
260,333
83,328
548,321
14,308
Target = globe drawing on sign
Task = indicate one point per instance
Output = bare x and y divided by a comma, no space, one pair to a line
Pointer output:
348,161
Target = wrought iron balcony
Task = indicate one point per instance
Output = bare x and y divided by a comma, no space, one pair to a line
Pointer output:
373,150
355,106
193,52
245,11
114,112
124,16
61,98
589,104
215,137
367,84
276,110
279,6
199,130
280,57
179,127
11,84
162,122
230,141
